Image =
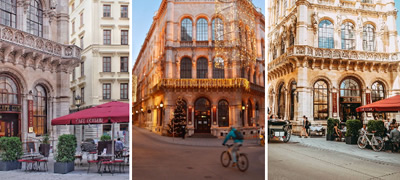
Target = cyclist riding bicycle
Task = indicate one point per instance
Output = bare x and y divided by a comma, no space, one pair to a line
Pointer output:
237,139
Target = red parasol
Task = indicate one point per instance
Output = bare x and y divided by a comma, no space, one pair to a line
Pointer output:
391,104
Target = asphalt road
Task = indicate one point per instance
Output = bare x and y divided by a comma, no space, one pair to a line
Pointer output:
294,161
154,159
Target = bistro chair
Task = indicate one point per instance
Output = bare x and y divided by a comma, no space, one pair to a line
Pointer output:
92,160
44,162
109,164
120,163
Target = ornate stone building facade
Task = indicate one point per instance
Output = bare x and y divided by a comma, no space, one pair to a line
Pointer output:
328,57
35,61
179,58
101,29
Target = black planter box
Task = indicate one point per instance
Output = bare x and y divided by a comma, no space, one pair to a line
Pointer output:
330,137
44,149
63,167
351,139
9,165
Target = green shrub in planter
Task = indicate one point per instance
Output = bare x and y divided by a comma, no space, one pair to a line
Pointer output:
105,137
376,125
11,151
353,126
11,148
66,148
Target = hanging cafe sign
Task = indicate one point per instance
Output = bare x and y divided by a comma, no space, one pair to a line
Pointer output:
10,108
89,121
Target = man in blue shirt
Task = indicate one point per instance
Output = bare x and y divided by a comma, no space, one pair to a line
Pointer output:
237,142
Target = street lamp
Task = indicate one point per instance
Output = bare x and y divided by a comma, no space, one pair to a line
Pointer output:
161,105
77,101
243,107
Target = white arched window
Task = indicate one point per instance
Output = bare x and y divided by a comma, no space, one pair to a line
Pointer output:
217,29
186,30
369,38
202,30
8,12
35,18
325,34
348,36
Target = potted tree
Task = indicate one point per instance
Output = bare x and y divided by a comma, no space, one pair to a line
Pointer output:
105,142
65,157
44,147
330,128
353,126
376,126
11,151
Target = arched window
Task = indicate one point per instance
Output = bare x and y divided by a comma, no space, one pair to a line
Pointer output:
9,93
349,88
217,29
348,36
292,96
369,38
281,101
35,18
39,110
8,12
202,30
249,113
223,113
321,108
186,68
325,34
218,68
186,30
255,78
378,91
202,68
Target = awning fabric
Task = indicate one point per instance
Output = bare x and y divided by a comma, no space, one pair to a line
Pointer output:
391,104
112,112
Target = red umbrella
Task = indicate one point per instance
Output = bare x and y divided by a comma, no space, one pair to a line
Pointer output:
385,105
112,112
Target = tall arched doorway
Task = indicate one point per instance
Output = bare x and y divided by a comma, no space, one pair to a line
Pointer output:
10,107
202,115
350,99
249,113
281,101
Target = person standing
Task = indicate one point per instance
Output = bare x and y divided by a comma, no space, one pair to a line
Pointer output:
307,126
394,137
183,131
119,146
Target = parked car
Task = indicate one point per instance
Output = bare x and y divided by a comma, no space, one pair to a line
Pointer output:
281,129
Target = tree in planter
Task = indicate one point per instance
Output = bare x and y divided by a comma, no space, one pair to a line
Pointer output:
179,118
353,126
376,125
65,157
105,137
330,128
11,148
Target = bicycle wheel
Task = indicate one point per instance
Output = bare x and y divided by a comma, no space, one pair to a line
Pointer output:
362,142
243,162
225,159
377,145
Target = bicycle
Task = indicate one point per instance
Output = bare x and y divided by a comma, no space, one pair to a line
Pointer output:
242,160
376,142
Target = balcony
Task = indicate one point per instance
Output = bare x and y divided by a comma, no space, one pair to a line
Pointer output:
340,54
21,46
202,84
202,43
186,43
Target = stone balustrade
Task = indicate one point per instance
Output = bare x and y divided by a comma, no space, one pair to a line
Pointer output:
38,44
314,52
204,83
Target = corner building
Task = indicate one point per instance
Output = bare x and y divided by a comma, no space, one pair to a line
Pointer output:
328,57
35,61
179,58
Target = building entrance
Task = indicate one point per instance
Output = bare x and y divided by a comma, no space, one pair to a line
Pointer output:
9,124
202,115
349,111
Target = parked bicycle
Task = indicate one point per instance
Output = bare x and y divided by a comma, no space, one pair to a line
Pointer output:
242,161
375,142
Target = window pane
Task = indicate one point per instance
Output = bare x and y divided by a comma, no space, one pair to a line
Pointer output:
186,30
202,30
202,68
325,34
186,68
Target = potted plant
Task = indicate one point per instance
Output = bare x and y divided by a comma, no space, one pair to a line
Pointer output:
353,126
11,151
65,157
105,142
44,147
330,128
376,126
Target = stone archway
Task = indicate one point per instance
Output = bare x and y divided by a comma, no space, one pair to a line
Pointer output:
202,115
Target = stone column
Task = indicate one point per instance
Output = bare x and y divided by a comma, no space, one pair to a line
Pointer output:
303,94
194,70
210,69
303,21
170,23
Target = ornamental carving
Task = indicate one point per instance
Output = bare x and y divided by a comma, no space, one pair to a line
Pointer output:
30,41
7,34
57,50
49,47
68,51
19,38
39,44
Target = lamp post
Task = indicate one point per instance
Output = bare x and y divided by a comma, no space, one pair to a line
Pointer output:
77,101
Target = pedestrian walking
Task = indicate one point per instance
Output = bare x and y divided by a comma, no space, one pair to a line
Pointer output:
183,131
303,127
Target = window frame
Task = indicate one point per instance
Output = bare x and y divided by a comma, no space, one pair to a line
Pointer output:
40,111
187,23
324,88
106,10
107,37
107,64
202,68
202,30
124,37
348,36
326,34
106,91
369,37
124,64
35,18
186,68
124,12
124,89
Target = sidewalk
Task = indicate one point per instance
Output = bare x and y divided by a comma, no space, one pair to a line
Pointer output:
341,147
188,141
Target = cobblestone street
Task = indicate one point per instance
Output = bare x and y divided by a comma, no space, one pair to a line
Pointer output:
316,158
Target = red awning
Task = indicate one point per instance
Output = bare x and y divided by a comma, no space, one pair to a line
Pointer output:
112,112
391,104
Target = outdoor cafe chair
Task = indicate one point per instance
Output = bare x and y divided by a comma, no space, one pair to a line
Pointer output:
44,162
121,164
109,164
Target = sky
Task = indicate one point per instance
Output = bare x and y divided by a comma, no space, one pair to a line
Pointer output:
143,12
397,3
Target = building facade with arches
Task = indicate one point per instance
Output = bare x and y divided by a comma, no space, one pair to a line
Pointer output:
35,61
178,58
326,58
